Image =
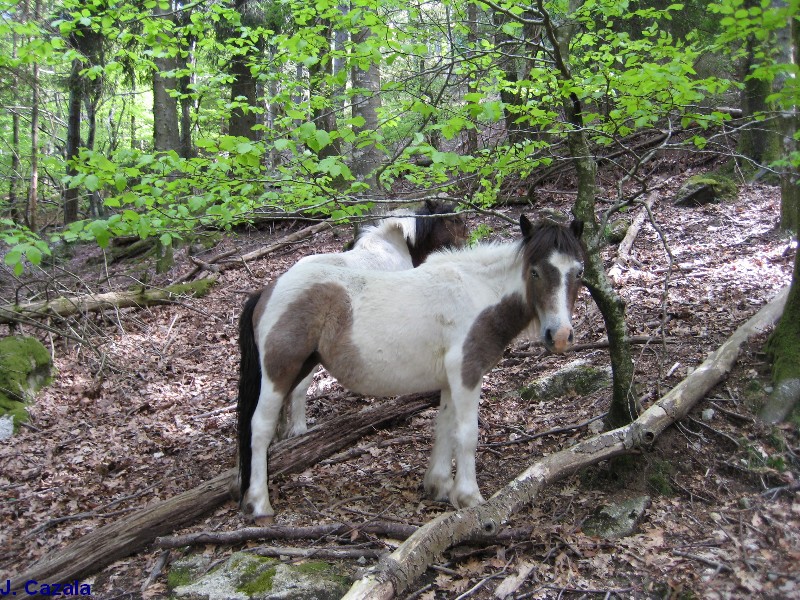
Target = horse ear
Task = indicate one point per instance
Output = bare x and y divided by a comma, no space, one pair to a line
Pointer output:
431,206
526,226
576,227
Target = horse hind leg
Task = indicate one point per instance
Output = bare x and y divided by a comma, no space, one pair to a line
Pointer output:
263,427
293,416
439,477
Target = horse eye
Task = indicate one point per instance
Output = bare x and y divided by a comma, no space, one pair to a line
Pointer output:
579,274
534,273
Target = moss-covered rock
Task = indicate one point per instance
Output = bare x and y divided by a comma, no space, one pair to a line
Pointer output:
577,378
246,576
705,189
616,230
617,520
25,367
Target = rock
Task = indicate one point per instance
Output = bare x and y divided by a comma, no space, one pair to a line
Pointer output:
25,368
616,230
705,189
245,576
617,520
576,378
6,427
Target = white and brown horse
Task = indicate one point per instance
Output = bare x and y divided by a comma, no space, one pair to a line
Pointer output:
394,243
441,326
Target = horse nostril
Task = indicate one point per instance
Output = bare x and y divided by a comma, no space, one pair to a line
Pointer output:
548,337
571,337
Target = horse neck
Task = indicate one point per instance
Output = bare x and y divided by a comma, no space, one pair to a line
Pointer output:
497,267
389,234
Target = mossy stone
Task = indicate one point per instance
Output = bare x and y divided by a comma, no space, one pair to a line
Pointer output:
617,520
248,576
577,378
25,368
616,230
705,189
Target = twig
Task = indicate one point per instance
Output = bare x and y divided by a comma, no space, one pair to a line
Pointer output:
156,570
713,430
773,492
533,436
706,561
327,553
602,343
394,530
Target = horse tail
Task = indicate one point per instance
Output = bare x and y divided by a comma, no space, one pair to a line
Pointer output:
249,388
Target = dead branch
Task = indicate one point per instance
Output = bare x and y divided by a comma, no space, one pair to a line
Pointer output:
125,536
626,245
396,572
328,553
73,305
214,265
279,532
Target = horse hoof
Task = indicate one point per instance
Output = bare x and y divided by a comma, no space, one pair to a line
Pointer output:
438,489
257,509
264,521
460,501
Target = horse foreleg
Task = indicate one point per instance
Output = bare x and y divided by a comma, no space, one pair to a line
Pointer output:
263,426
293,418
438,478
465,492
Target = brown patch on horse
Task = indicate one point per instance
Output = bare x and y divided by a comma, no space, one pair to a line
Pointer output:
318,320
489,335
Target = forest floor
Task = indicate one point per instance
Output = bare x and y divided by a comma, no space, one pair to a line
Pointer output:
149,412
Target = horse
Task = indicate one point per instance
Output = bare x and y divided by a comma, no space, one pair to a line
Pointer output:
398,242
441,326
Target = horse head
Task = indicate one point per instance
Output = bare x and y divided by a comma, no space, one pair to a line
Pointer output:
553,269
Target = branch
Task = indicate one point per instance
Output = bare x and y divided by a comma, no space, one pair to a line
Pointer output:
396,572
126,536
215,266
68,306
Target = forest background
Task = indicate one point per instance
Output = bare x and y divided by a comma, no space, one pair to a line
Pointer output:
161,126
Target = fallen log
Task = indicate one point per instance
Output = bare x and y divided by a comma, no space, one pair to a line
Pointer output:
626,245
64,306
396,572
126,536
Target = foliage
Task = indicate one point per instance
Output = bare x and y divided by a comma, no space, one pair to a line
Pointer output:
627,68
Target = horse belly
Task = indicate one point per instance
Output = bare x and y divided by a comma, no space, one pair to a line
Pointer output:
383,368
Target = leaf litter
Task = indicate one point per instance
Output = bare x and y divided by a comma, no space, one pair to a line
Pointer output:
151,414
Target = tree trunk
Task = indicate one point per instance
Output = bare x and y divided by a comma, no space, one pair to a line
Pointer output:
322,112
75,84
121,538
366,103
14,180
244,89
31,206
166,135
624,403
398,571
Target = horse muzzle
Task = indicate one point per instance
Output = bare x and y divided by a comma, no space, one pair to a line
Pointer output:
558,340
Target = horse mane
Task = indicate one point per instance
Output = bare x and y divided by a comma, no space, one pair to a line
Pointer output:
547,236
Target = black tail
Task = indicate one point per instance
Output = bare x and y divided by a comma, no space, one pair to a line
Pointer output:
249,388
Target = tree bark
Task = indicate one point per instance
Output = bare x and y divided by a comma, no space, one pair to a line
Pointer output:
166,135
624,403
111,542
397,571
68,306
366,103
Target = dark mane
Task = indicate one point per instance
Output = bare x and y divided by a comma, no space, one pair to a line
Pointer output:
436,233
547,236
